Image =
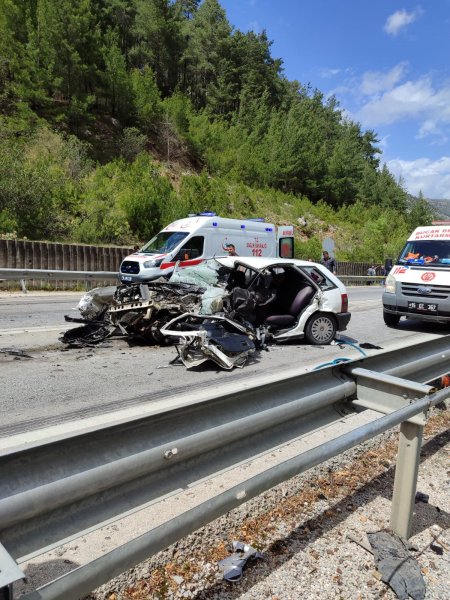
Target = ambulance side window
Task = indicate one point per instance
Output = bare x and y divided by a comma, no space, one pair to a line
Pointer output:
192,248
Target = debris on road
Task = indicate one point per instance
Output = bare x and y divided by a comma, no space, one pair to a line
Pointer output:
421,497
15,352
200,338
233,565
397,567
88,335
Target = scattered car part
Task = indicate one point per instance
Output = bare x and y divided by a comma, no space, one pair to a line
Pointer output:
15,352
200,338
421,497
397,567
88,335
233,565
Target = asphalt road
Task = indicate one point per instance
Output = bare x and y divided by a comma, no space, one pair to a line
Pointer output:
57,385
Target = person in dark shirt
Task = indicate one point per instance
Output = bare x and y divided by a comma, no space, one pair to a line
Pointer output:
328,262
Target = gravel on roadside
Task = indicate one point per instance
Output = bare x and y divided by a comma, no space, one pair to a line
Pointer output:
312,533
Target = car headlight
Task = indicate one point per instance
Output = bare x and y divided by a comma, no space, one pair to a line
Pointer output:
390,284
152,263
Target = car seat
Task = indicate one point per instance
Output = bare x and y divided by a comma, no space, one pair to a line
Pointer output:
300,301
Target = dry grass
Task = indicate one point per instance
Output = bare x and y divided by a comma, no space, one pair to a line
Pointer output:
292,510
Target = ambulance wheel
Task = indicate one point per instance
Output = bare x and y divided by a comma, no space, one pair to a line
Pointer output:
320,329
390,319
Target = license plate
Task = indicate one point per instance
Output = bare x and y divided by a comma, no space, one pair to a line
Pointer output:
126,278
423,307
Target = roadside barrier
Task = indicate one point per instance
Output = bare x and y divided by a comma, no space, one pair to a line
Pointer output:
44,275
55,486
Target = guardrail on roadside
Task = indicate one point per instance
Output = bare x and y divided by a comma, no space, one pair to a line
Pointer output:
23,275
57,275
57,486
362,279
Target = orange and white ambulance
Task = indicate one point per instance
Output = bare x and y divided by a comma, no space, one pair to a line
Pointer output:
190,241
418,285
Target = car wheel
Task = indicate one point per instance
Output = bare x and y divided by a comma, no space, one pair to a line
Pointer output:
320,329
390,319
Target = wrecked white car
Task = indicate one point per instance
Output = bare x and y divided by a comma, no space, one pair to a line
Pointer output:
291,298
138,311
222,309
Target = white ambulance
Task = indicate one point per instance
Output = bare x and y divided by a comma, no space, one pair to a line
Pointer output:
188,242
418,285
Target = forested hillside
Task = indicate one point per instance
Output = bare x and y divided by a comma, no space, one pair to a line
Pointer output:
117,116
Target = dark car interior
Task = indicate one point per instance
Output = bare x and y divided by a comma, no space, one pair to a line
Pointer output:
275,297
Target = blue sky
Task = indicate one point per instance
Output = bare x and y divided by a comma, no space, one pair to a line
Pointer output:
386,61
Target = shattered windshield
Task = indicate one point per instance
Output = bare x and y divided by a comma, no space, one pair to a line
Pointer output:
424,252
208,272
164,242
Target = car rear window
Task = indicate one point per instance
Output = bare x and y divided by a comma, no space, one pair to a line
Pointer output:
320,278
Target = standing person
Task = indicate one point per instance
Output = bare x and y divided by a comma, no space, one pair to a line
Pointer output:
371,271
230,249
328,262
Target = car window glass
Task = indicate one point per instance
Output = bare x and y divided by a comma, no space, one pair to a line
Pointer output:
319,277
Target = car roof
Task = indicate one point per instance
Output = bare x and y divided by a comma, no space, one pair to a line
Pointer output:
261,262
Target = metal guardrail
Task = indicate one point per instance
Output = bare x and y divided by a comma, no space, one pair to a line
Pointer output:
54,275
364,279
68,484
22,275
19,274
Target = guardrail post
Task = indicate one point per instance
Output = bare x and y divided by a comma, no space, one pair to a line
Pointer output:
386,393
406,473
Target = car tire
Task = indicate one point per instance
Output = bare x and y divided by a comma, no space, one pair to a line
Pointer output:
390,319
321,329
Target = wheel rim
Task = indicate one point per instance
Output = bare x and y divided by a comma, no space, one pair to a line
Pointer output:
322,329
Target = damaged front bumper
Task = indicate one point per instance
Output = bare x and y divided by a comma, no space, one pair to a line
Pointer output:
220,339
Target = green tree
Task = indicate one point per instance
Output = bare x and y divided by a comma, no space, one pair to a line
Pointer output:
157,30
147,99
419,212
207,56
118,83
145,192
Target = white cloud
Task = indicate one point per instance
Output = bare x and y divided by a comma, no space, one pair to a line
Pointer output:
430,128
417,100
325,73
399,20
423,174
374,82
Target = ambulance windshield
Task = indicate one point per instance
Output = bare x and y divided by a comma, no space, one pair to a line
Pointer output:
164,242
426,252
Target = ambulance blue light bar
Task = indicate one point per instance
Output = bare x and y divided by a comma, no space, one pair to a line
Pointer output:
257,219
207,214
